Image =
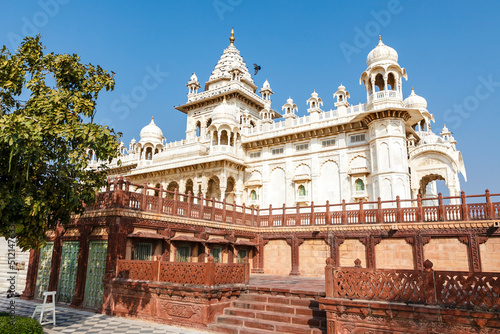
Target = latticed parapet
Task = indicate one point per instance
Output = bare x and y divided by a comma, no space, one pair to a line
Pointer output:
123,194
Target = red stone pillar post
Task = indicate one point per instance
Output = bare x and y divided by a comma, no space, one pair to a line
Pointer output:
294,244
29,290
258,259
329,277
81,272
56,259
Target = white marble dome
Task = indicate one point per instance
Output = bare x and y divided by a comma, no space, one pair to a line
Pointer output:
151,133
225,113
415,101
382,53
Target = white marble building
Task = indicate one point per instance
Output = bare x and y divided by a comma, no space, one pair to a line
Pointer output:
239,148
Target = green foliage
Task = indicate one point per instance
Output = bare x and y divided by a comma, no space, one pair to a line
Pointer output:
22,325
44,141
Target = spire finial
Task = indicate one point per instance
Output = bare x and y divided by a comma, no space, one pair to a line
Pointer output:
231,39
380,37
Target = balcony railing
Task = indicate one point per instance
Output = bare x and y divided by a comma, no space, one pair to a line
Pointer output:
123,194
185,273
457,289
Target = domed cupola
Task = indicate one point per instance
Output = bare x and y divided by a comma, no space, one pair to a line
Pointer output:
224,113
415,101
383,78
151,133
382,54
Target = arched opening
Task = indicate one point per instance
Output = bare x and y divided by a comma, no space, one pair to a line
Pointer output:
189,186
430,186
215,138
149,153
302,190
391,81
252,124
91,155
171,189
157,192
379,82
253,195
231,139
209,122
156,151
198,128
213,190
224,138
313,105
229,195
360,185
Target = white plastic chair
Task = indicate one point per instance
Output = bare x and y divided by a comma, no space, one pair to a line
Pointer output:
46,307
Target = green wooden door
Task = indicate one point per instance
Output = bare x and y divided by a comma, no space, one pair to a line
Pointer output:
67,271
95,274
43,275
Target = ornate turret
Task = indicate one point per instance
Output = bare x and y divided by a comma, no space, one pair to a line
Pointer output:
266,91
383,78
290,109
314,103
415,101
193,84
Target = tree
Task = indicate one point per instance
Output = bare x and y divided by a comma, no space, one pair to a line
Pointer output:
44,140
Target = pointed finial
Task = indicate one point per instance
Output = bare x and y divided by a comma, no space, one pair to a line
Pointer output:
231,39
380,37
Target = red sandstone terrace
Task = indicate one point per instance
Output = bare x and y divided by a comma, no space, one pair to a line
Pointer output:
391,266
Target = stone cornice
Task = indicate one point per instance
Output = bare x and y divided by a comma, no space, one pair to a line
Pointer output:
301,135
366,228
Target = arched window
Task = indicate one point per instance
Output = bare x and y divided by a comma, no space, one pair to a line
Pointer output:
215,139
302,190
149,153
198,128
252,124
360,185
391,81
223,137
253,195
379,82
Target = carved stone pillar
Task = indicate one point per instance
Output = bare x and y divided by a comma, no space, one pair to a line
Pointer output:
370,243
56,259
81,272
334,242
294,244
29,290
258,259
418,252
472,243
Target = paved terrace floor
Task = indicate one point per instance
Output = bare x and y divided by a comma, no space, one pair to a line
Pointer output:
293,284
73,321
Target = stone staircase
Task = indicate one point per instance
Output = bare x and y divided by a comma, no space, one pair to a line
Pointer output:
260,312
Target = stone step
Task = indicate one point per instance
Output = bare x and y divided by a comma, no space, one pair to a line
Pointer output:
278,308
266,313
240,325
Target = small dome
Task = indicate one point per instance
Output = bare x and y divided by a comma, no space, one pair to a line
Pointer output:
133,141
266,85
415,102
382,53
314,94
193,79
224,113
151,133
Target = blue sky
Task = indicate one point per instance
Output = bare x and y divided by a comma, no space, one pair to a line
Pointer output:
450,50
